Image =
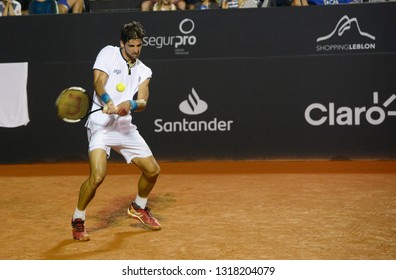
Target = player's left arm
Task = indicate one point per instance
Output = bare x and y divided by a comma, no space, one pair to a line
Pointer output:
137,105
143,95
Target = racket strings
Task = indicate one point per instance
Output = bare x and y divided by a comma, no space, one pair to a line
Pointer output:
73,104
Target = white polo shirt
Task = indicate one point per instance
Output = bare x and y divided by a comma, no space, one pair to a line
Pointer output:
110,61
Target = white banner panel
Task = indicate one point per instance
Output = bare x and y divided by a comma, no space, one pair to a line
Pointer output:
13,94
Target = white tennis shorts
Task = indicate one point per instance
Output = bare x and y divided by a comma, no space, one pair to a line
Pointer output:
129,144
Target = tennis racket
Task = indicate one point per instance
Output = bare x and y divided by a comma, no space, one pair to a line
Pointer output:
73,105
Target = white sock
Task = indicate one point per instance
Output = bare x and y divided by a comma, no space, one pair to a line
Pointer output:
142,202
78,214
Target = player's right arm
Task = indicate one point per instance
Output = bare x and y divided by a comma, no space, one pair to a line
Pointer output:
100,80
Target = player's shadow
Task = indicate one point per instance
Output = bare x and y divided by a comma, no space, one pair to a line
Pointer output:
59,252
114,214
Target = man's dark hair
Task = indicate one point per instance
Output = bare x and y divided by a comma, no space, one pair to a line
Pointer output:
133,30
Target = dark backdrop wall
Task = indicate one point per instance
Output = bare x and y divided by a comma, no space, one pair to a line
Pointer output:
275,83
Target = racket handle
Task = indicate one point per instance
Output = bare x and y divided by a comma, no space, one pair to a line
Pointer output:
101,108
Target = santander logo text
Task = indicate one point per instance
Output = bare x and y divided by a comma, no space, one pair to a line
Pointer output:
193,105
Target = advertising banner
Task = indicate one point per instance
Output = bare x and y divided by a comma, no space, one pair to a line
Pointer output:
275,83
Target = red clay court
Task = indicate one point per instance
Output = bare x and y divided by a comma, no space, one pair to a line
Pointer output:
231,210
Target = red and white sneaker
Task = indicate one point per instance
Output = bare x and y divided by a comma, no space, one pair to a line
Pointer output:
144,216
78,230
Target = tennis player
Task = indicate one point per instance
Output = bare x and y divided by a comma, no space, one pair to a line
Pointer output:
121,84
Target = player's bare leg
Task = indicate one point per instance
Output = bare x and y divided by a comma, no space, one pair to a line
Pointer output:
138,209
151,171
98,169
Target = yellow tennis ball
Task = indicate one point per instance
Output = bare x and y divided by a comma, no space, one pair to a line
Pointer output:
120,87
